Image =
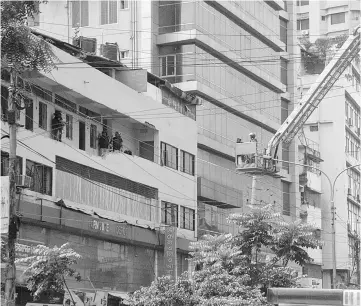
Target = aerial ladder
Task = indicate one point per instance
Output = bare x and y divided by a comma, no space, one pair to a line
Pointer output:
251,159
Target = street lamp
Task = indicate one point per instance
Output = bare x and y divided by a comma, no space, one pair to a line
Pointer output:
333,209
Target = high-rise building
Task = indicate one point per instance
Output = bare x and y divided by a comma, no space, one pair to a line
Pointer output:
238,56
317,19
330,141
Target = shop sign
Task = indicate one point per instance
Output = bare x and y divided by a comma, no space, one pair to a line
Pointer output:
170,251
4,204
109,227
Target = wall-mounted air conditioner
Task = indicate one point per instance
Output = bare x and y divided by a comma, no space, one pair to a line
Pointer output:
87,44
110,50
23,181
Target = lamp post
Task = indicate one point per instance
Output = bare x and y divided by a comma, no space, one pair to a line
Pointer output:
333,211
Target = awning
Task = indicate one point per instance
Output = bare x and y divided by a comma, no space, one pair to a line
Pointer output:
123,295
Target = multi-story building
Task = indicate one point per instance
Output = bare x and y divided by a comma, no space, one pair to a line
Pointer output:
316,19
235,55
335,129
111,206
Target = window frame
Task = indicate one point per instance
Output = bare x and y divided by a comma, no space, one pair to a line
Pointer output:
123,7
182,162
164,156
81,3
69,126
338,14
191,221
108,12
125,52
46,170
93,136
164,213
299,24
166,65
41,124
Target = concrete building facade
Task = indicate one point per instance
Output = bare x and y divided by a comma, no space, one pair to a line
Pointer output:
113,207
316,19
332,138
235,55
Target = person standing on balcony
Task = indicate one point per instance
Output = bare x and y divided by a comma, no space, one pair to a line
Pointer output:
117,142
103,141
57,125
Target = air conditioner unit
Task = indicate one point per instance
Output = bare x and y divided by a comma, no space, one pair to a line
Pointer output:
87,44
23,181
110,50
304,32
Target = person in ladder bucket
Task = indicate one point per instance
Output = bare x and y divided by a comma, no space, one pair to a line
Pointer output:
252,137
252,157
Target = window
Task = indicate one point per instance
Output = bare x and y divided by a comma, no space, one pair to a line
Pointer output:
69,126
167,64
93,136
313,128
169,155
124,54
108,12
323,18
187,218
43,116
283,71
5,164
286,199
169,214
284,110
42,177
338,18
187,162
29,115
303,24
124,4
353,217
303,3
283,31
80,13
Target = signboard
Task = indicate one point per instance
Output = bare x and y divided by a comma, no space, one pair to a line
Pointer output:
170,251
5,204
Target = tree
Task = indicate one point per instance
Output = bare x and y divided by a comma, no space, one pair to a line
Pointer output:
48,267
20,51
237,270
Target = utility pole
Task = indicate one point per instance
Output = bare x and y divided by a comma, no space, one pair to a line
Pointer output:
13,218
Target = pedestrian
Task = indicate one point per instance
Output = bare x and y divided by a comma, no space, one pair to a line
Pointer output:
103,141
117,142
57,125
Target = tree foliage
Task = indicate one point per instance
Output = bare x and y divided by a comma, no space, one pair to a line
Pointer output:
20,49
233,270
48,267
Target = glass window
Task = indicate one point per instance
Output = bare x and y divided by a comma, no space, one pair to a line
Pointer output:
303,24
283,31
169,155
124,54
303,3
69,126
169,214
29,115
286,199
108,12
93,136
168,65
43,116
124,4
80,13
187,162
187,218
283,71
338,18
42,177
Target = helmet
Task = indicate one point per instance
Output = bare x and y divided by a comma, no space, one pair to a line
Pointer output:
252,135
